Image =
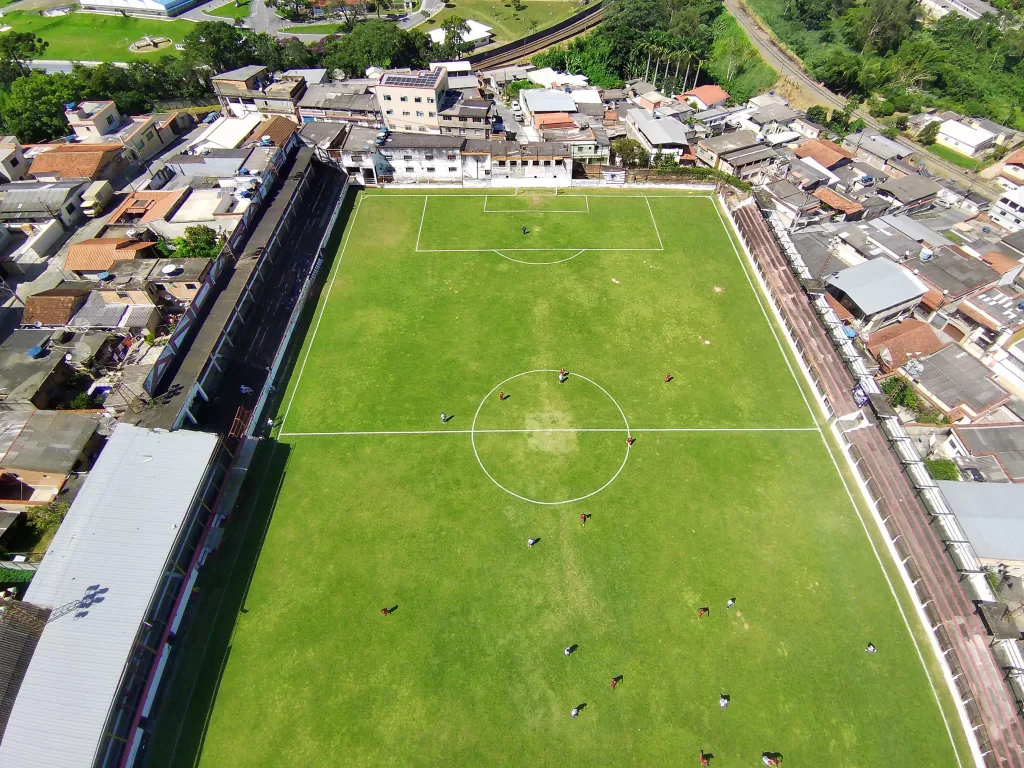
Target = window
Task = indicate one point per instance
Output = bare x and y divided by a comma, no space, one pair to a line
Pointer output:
547,162
160,287
448,130
389,111
408,169
418,100
140,144
477,120
511,163
536,162
452,170
407,157
389,157
14,162
357,158
191,286
501,163
446,117
405,113
387,98
149,135
451,157
558,162
123,295
431,169
423,128
428,157
403,98
70,208
429,100
419,113
110,119
432,114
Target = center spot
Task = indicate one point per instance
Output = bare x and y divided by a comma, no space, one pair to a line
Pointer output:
549,442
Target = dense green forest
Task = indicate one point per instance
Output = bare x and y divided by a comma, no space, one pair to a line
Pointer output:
886,50
32,102
671,43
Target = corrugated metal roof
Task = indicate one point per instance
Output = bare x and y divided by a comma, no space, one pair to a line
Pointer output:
877,285
118,535
547,101
992,515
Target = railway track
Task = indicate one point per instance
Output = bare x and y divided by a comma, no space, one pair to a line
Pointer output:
539,41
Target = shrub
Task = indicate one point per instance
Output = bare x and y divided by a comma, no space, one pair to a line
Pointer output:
82,401
942,469
929,133
46,516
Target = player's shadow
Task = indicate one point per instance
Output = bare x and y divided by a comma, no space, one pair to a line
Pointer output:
448,417
581,707
617,679
392,610
573,648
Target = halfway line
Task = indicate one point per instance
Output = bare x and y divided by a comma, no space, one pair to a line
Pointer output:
541,429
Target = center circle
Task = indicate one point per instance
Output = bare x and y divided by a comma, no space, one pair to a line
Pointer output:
514,404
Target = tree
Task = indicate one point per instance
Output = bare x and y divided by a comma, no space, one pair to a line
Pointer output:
45,516
928,134
33,107
838,68
17,48
630,152
454,46
817,114
375,43
198,242
881,25
890,131
218,46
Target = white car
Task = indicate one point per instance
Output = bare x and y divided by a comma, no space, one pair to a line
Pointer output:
515,106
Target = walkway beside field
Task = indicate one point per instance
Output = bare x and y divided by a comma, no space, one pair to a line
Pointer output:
979,679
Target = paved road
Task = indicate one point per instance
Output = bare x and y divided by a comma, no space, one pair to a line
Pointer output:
781,62
990,701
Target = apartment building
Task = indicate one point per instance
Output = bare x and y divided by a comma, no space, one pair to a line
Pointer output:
410,101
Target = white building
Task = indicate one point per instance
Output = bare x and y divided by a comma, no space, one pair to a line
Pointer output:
660,134
963,139
165,8
479,34
1008,210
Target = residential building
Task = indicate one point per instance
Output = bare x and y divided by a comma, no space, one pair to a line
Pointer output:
539,102
511,161
134,548
909,192
272,132
250,89
963,139
465,116
54,308
41,201
497,79
705,97
549,78
12,160
95,256
409,157
969,9
795,207
808,128
409,101
325,137
990,516
1008,210
843,207
350,102
959,386
995,451
25,246
99,123
479,35
749,164
131,312
46,449
710,150
877,293
661,135
31,371
79,161
1012,175
895,345
826,153
876,150
588,145
773,118
950,274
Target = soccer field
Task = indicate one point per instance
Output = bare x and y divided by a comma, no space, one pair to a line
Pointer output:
439,302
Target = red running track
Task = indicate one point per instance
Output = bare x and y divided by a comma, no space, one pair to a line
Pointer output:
988,699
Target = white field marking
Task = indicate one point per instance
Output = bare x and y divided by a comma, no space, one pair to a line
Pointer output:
370,433
472,432
422,217
541,263
680,196
323,308
489,250
528,210
655,223
849,493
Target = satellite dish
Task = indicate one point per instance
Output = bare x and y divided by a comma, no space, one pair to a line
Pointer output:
38,323
104,276
265,137
67,358
169,269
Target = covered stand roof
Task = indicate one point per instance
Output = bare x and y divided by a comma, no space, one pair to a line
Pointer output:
113,546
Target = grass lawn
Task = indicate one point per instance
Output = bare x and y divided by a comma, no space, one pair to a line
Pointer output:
438,304
508,24
93,37
954,157
314,29
231,11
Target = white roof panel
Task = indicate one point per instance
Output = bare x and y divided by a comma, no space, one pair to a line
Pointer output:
118,537
964,133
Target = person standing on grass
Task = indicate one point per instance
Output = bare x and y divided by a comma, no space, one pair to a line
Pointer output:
701,613
871,648
525,231
568,650
575,711
562,375
502,395
615,682
583,519
384,612
444,417
668,377
530,542
630,440
730,602
704,758
723,701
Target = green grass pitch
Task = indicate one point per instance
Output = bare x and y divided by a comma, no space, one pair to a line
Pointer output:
439,302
